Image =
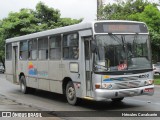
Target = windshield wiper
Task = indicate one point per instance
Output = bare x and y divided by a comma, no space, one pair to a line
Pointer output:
116,38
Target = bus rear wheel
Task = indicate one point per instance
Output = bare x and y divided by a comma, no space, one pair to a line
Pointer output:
117,99
71,94
23,87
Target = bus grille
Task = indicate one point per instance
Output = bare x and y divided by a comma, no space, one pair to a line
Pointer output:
126,85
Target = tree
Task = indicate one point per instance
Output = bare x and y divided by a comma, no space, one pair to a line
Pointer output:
49,18
138,10
28,21
151,16
19,23
122,9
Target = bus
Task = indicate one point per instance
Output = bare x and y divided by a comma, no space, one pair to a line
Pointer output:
97,61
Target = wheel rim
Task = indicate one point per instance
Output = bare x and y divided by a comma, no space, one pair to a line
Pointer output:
71,93
22,87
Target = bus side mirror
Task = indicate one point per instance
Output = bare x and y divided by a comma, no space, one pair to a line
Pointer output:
93,46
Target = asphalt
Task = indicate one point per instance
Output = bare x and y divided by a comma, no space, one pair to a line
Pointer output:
9,107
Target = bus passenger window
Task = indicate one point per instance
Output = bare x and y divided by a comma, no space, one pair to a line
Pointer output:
70,46
8,51
43,48
55,47
32,49
23,54
66,53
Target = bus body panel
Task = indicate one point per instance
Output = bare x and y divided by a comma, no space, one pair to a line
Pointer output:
32,80
55,76
9,71
74,76
42,71
23,67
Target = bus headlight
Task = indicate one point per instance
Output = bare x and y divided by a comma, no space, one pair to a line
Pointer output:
149,82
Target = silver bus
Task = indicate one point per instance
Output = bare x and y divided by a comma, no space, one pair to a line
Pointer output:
99,60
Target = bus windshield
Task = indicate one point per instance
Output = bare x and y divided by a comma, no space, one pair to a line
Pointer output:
122,52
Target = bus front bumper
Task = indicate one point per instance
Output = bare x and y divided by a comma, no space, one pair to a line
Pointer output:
103,94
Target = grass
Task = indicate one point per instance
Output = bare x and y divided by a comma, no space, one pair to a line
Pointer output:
157,79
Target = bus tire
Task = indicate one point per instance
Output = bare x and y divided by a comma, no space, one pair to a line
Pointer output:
23,87
71,93
117,99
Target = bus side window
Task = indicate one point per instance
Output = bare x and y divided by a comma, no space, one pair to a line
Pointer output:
43,48
23,54
70,46
32,49
8,51
55,47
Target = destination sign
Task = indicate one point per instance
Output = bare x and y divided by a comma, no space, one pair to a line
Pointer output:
120,27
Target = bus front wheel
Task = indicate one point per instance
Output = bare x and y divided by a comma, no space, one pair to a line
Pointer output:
24,89
71,94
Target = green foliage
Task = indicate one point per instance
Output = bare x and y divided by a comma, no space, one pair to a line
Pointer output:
157,79
122,9
137,10
28,21
48,17
16,24
68,21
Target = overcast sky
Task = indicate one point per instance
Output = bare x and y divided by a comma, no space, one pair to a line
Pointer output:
68,8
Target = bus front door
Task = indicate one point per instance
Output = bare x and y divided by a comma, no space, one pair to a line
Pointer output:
88,65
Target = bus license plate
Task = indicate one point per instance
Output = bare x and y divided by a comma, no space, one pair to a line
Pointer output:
148,90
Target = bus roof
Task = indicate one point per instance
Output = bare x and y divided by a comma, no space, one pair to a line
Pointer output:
71,28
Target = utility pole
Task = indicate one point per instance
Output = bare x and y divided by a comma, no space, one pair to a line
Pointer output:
99,6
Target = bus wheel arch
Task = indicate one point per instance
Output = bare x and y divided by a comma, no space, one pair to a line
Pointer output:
69,91
64,84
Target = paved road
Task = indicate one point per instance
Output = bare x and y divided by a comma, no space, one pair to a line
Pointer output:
9,101
12,99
